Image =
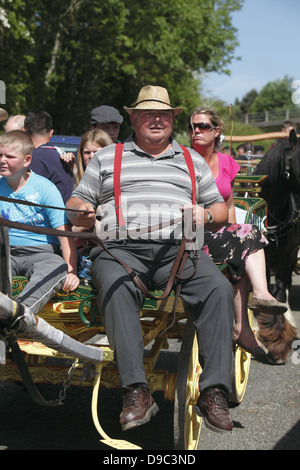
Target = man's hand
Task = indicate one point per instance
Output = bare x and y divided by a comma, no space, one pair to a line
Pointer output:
71,282
219,213
85,215
198,214
86,219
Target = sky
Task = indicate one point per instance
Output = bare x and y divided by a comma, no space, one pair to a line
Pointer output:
269,38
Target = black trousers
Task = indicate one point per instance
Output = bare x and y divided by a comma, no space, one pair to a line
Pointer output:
208,294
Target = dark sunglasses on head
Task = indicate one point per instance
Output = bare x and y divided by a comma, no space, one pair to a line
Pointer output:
202,126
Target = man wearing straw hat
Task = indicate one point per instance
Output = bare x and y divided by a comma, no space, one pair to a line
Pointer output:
156,183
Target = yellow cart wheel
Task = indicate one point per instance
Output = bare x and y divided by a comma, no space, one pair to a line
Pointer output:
240,370
187,423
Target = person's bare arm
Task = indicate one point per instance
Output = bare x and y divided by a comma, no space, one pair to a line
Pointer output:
219,212
231,208
84,216
69,254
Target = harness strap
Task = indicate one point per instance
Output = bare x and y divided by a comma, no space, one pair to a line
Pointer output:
47,230
28,203
117,194
176,272
85,235
90,235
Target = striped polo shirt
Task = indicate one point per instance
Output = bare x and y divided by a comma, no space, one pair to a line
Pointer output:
153,190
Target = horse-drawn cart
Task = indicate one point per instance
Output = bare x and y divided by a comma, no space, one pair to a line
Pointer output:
77,315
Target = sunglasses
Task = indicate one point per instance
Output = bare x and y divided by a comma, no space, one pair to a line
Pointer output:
202,126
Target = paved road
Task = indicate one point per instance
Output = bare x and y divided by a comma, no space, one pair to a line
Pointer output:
268,418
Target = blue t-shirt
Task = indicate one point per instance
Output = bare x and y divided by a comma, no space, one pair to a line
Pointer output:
40,191
46,162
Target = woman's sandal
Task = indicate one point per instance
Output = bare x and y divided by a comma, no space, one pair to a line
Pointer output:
272,307
258,352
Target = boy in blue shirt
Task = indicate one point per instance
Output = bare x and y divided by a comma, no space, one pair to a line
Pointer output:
36,256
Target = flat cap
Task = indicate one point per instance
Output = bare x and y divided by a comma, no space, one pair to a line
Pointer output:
105,114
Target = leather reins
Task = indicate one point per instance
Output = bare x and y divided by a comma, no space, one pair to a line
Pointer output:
92,236
181,257
176,270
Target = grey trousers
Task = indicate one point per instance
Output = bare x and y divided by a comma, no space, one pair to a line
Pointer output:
45,269
208,294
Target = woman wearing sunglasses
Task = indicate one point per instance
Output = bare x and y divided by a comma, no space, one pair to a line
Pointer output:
239,245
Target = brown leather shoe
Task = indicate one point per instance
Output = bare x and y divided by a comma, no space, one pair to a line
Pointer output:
213,407
138,406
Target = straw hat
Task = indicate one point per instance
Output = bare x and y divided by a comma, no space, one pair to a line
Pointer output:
153,97
3,115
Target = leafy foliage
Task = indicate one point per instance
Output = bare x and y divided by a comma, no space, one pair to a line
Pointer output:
274,95
68,57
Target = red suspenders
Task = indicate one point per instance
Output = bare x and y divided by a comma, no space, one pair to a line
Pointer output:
117,184
117,179
190,165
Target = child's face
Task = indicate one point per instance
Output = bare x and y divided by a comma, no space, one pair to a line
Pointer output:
88,152
12,162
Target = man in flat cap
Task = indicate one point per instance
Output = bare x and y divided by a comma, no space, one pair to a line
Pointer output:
107,119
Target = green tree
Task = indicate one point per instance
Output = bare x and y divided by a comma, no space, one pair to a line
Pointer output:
15,57
75,55
244,105
274,95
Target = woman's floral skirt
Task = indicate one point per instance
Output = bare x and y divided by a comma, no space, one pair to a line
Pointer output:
232,244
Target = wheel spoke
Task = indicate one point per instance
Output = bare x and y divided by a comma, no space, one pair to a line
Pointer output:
187,424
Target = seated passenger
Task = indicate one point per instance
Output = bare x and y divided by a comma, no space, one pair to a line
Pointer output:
46,159
156,185
239,245
90,143
107,119
35,255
